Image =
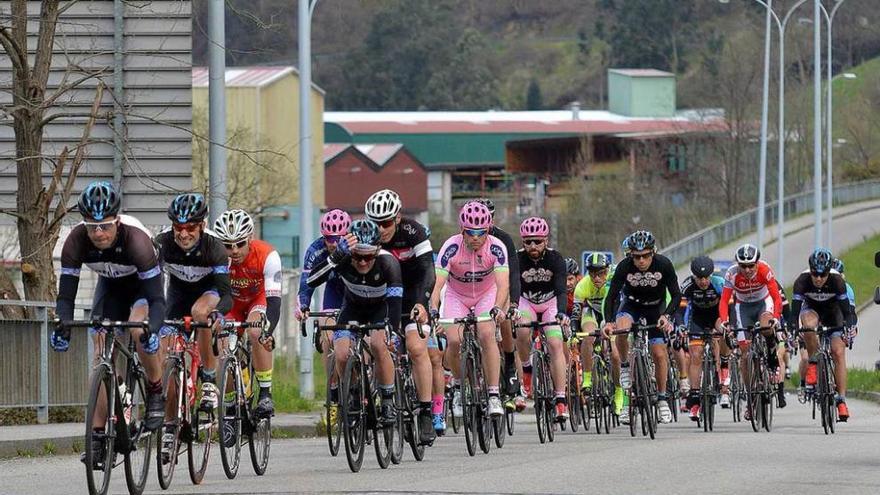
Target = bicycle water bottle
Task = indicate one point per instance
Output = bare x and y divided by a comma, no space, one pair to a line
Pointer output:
246,378
126,401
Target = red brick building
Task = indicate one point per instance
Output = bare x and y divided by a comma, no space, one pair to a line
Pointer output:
352,172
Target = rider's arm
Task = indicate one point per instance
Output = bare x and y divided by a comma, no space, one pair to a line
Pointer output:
559,289
671,279
580,296
502,273
220,278
424,260
612,299
393,291
513,265
724,303
843,300
68,283
439,282
304,297
150,274
773,287
321,271
272,285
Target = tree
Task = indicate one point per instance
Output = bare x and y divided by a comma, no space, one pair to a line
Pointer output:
534,101
38,225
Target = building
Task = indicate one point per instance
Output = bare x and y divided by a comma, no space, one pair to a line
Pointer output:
511,156
354,172
262,119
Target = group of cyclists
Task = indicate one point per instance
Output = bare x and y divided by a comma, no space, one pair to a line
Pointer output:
382,269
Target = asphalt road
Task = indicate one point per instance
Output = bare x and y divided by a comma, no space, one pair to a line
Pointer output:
796,456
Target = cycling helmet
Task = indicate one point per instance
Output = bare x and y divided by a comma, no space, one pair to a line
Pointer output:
747,253
821,261
475,215
382,205
596,261
702,266
534,227
99,200
640,240
335,222
624,245
488,203
838,265
190,207
571,266
367,234
233,225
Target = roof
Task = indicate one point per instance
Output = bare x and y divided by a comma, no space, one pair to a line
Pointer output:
642,72
379,154
248,77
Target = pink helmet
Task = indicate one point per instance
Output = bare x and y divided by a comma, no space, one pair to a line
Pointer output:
335,222
534,227
475,215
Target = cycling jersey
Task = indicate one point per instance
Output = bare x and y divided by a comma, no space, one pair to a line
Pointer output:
203,268
589,300
130,266
512,261
256,283
411,246
830,301
471,273
702,304
369,297
762,287
643,290
334,289
542,279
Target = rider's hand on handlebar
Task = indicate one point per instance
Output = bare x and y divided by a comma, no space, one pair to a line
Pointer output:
496,314
607,328
664,323
513,313
419,315
301,313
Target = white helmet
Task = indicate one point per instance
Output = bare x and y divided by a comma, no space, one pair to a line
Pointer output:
382,205
233,225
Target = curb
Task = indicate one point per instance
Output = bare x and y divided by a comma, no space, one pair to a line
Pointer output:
864,395
72,444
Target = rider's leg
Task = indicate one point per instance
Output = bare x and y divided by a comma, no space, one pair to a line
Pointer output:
417,349
491,356
262,357
661,365
838,354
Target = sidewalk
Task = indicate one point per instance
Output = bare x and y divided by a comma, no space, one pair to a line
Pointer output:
67,438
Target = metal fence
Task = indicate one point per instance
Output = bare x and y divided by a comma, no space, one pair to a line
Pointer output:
746,222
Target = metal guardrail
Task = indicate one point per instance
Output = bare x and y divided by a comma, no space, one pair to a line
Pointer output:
735,227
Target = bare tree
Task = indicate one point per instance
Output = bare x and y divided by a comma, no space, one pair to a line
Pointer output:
38,225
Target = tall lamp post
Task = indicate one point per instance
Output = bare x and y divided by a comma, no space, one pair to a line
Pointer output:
829,20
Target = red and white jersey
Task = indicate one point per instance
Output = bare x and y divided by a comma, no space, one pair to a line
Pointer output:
258,275
749,290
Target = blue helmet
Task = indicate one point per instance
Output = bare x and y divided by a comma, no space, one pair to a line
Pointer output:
367,234
640,240
190,207
99,200
821,261
838,265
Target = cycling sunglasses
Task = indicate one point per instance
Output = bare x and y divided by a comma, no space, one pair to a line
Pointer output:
533,242
102,226
747,266
644,256
332,239
363,258
476,232
820,275
386,223
598,273
185,227
231,245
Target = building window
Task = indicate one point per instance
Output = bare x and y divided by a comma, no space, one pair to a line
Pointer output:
676,157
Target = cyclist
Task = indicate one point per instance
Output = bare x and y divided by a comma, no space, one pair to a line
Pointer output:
120,250
409,242
473,268
703,293
334,226
755,292
544,298
639,290
373,294
587,316
255,277
572,277
820,299
508,345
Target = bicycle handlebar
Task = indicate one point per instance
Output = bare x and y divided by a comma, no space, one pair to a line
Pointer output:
354,327
102,323
333,313
821,330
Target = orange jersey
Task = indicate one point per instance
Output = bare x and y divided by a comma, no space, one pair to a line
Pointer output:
259,275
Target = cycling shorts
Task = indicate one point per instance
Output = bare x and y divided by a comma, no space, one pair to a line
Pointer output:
241,309
332,297
749,313
829,315
546,311
114,299
456,305
590,315
361,314
650,313
179,304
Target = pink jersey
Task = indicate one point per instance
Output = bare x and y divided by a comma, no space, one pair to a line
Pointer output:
471,273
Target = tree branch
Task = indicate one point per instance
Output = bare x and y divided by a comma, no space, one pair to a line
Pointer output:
64,88
45,41
55,116
12,49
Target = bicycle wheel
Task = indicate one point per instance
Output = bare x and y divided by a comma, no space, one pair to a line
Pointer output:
447,410
401,430
498,432
734,390
484,423
352,397
199,440
673,386
173,392
510,420
412,424
334,425
823,393
646,402
572,395
832,388
137,460
753,392
101,390
707,391
540,396
229,415
469,404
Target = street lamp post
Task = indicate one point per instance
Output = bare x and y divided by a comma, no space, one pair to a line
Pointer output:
829,19
817,124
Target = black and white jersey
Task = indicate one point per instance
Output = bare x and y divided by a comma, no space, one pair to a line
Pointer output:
643,288
204,267
544,278
411,247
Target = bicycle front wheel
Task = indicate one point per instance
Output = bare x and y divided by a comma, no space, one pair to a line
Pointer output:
645,403
101,397
229,415
331,412
260,429
469,404
137,460
166,452
352,397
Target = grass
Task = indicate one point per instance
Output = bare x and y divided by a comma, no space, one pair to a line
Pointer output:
285,385
860,270
856,379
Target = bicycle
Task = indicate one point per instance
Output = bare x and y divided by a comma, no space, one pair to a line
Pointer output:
759,389
542,384
642,392
237,377
477,423
573,378
600,401
736,388
406,400
673,379
710,386
190,424
359,398
331,409
123,400
826,388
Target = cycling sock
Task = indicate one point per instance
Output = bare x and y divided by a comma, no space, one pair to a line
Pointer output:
560,395
725,362
387,391
334,394
838,398
229,398
527,367
588,378
509,360
437,404
561,400
208,376
662,396
264,378
154,387
493,391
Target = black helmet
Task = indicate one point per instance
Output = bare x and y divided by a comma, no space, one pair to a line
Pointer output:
99,200
571,266
838,265
702,266
190,207
367,234
488,203
639,240
596,261
821,261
